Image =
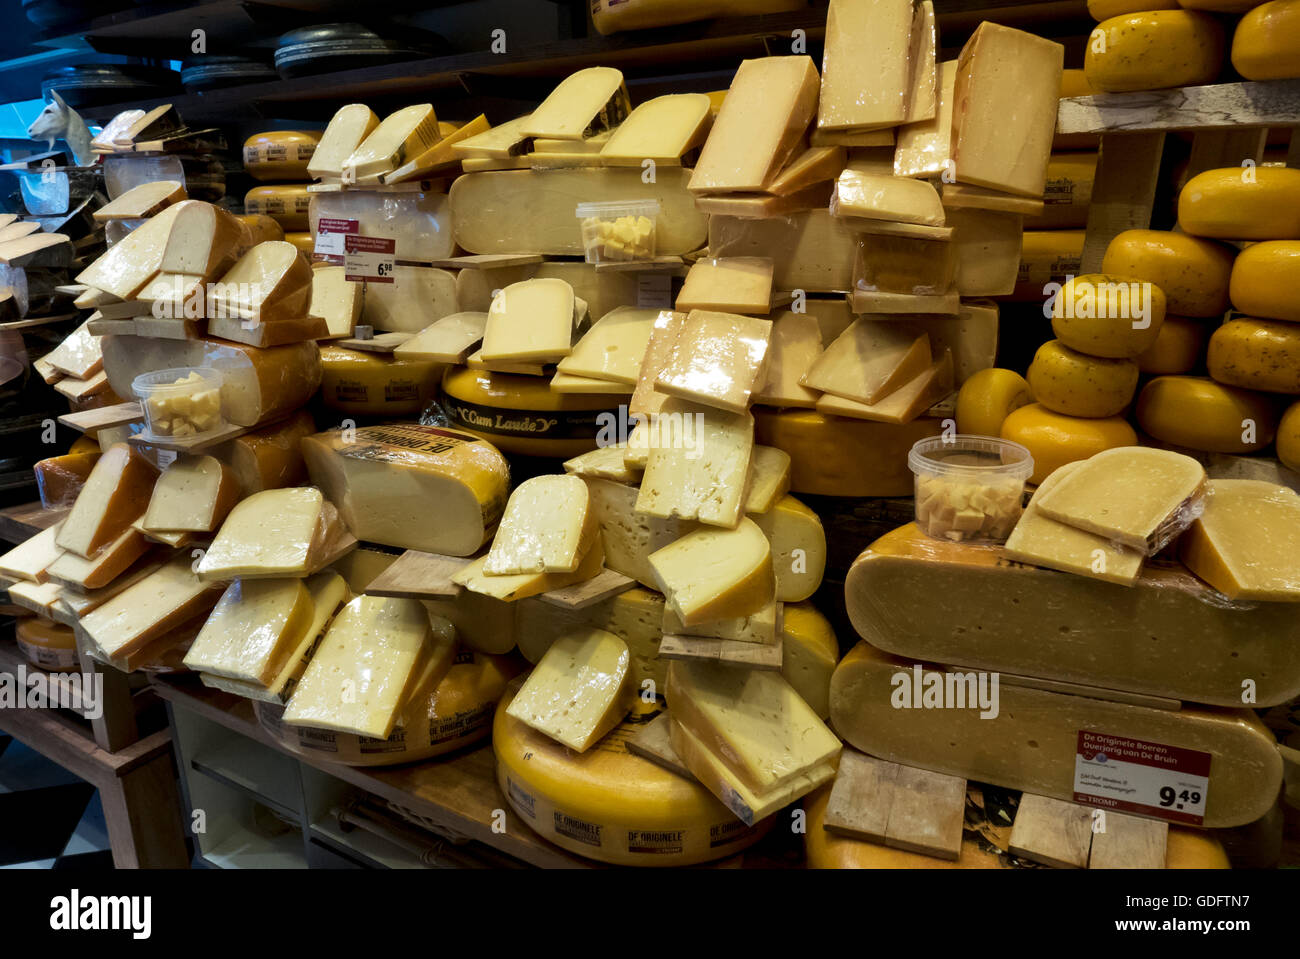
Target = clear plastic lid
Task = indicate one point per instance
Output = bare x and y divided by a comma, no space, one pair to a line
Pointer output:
612,209
971,457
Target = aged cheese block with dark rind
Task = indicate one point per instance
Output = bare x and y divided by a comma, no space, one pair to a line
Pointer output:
1167,635
1031,744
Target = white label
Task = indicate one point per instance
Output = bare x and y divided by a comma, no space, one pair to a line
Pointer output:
331,235
1152,779
368,258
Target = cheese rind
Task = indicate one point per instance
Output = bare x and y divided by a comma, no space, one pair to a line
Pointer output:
1076,384
1055,439
1151,49
116,492
1263,274
1193,273
810,652
60,478
1108,316
716,573
1031,744
418,487
798,544
73,571
268,458
1245,544
548,526
580,689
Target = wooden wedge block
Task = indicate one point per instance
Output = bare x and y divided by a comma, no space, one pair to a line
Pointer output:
1129,842
1051,831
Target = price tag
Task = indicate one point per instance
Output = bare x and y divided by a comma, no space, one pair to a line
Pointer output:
330,238
1167,782
368,258
654,291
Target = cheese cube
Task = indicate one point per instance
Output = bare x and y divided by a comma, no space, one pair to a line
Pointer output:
715,573
751,720
530,321
548,527
697,464
719,359
734,284
252,630
117,491
149,608
193,494
581,689
281,532
870,360
1247,542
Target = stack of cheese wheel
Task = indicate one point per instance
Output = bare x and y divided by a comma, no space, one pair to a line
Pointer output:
1252,358
279,159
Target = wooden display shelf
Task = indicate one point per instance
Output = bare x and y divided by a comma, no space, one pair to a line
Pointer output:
1221,106
458,791
18,523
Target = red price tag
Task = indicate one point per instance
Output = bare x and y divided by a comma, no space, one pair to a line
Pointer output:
1131,775
368,258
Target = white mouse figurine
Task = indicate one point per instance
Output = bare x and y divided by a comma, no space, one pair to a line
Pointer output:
58,121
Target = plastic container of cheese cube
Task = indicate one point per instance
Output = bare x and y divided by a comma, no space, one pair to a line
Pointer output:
969,489
180,403
618,231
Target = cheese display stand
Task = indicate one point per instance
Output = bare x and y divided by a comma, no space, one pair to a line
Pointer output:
852,435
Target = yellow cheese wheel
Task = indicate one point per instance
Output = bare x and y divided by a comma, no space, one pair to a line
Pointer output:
1242,203
1178,347
984,846
1199,414
1192,272
988,398
1074,82
47,644
1265,280
520,414
303,240
1116,317
1047,256
376,384
1067,194
1266,45
1055,440
1101,10
1154,49
1220,6
1256,354
286,203
261,228
1288,437
1067,381
280,155
609,804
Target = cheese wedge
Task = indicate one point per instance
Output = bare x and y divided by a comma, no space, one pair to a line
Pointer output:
737,284
769,479
613,348
83,574
715,573
798,543
335,299
902,405
809,168
271,282
349,126
29,560
882,196
78,355
193,494
149,608
548,527
925,147
531,321
503,141
923,75
1247,542
439,158
142,201
518,586
795,345
252,630
448,340
663,129
281,532
646,400
117,491
628,536
401,136
865,69
696,463
870,360
580,689
585,103
605,462
719,359
760,627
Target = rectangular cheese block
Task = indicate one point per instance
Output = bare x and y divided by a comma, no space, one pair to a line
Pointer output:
1032,743
646,400
987,247
349,126
809,168
1043,541
1004,112
738,284
193,494
633,616
416,487
117,491
718,360
447,340
1136,496
76,572
582,688
865,70
1056,625
769,106
400,136
584,103
795,344
882,196
716,573
922,72
366,666
769,479
810,251
902,405
759,627
530,322
913,266
29,559
149,608
548,527
753,721
417,296
532,211
697,462
516,586
258,385
281,532
663,129
252,630
748,805
419,224
335,299
1247,542
628,536
612,349
502,141
870,360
